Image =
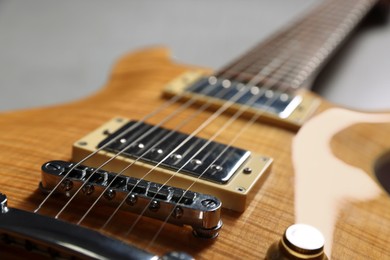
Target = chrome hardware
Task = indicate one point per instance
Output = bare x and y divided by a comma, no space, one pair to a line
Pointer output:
179,206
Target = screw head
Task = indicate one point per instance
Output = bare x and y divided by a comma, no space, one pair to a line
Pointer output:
88,189
67,185
110,194
154,205
131,200
209,203
178,212
241,189
247,170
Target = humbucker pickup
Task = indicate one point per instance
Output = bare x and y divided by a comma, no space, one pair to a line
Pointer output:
281,107
127,149
177,206
207,164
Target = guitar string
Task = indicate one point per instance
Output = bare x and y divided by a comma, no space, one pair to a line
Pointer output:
101,148
91,176
81,187
173,100
119,174
232,100
257,115
328,9
276,37
155,166
187,104
253,120
171,132
241,110
267,86
166,104
151,130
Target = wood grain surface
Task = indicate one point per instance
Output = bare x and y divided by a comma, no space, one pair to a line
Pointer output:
30,138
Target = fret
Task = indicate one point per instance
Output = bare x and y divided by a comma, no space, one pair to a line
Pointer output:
309,43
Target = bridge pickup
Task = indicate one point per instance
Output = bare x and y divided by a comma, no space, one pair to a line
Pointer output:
230,179
180,207
207,164
277,106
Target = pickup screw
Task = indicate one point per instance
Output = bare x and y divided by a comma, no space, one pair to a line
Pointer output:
67,185
176,156
131,200
88,189
178,212
217,168
240,189
209,203
196,162
109,194
154,205
247,170
106,132
3,203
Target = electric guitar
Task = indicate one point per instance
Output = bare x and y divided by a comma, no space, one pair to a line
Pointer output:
173,160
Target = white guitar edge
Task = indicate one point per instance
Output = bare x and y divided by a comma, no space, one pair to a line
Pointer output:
322,181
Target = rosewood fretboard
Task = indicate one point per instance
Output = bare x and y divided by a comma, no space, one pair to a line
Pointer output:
293,56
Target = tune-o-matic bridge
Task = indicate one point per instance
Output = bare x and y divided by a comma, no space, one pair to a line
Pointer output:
177,206
165,156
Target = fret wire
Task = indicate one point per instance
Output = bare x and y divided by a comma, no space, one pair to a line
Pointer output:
158,110
261,48
137,221
39,206
320,36
330,45
293,34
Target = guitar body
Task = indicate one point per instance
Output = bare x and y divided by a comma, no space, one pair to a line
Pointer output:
30,138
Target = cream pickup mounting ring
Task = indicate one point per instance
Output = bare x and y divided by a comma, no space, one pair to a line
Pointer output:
227,180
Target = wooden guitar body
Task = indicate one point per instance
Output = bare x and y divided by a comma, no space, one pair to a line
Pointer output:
361,228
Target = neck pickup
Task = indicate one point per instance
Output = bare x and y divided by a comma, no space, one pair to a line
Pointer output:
264,99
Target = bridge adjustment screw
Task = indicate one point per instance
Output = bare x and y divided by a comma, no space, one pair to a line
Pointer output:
131,200
178,212
88,189
210,204
154,205
110,194
67,185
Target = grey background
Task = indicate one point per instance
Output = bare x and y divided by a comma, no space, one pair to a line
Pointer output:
57,51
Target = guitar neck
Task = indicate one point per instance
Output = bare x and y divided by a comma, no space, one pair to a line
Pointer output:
296,53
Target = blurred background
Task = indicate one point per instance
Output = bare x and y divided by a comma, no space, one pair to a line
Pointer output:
57,51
